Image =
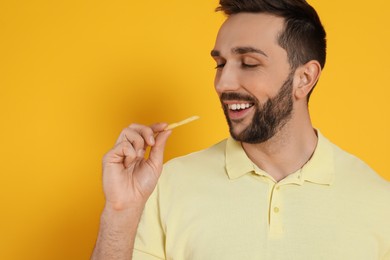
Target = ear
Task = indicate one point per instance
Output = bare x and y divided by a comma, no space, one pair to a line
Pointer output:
305,78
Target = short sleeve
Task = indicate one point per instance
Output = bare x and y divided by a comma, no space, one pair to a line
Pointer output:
150,238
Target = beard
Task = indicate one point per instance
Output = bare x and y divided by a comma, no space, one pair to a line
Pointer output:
268,118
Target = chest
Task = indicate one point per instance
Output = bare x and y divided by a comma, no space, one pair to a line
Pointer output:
263,221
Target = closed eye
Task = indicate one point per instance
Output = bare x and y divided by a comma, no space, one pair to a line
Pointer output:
250,62
244,65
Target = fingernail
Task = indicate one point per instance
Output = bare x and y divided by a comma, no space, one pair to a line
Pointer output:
151,140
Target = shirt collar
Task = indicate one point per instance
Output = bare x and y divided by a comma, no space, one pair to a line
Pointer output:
319,169
237,162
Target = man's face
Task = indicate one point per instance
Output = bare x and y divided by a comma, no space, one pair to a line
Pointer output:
253,78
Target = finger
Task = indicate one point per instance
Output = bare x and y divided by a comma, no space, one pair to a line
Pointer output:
134,131
136,135
119,153
130,160
147,134
156,156
126,134
158,127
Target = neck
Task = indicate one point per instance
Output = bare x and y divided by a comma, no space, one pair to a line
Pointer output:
286,152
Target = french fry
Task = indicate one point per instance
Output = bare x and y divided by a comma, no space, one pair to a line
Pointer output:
183,122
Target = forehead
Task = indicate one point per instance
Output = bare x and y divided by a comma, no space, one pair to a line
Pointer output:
257,30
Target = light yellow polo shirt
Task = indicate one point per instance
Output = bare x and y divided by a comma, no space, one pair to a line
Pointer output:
217,205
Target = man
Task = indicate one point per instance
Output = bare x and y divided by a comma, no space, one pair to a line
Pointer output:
277,189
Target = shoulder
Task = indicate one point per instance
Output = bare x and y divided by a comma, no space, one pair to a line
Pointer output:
186,173
355,173
212,156
355,167
184,177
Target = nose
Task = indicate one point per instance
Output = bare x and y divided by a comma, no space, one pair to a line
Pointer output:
226,79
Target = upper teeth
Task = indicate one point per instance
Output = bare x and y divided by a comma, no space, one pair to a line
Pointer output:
239,106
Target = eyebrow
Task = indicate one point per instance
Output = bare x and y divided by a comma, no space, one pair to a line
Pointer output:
240,50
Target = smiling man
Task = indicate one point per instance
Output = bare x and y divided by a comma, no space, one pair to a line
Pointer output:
276,189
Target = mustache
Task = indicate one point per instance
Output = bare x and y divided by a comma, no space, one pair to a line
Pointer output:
237,96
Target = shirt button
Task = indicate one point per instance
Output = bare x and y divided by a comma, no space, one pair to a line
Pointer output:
276,210
278,188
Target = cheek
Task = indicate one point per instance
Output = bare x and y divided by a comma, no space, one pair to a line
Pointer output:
260,87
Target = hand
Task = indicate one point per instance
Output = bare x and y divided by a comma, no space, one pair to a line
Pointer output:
128,177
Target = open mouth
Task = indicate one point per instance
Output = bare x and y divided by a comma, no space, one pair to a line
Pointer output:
238,110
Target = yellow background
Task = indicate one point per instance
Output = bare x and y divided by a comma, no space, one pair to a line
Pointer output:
74,73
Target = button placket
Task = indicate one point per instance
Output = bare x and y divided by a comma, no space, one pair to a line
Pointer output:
275,212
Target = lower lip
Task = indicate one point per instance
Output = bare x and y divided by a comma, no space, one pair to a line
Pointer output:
240,114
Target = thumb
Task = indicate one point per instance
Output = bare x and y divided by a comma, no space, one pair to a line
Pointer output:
156,156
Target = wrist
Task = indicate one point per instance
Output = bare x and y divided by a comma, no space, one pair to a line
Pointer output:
115,210
121,220
123,206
